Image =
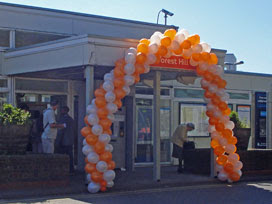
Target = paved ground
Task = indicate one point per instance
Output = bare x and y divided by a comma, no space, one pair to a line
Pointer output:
125,181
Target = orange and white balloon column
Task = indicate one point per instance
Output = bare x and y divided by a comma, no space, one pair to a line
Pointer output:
127,71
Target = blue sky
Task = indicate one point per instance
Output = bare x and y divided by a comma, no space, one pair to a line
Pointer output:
242,27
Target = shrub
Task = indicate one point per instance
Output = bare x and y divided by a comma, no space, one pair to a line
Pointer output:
12,115
235,119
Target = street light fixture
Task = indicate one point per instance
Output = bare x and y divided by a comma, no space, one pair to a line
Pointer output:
233,64
166,14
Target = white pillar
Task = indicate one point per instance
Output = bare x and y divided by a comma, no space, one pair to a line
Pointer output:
89,75
156,129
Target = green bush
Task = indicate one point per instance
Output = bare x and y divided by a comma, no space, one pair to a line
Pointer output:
235,119
12,115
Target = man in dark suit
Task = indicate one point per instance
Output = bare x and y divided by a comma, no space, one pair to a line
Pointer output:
65,137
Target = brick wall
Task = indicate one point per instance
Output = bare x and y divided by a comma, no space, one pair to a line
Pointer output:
33,170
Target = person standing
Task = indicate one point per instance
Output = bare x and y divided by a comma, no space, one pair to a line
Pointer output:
50,128
65,137
178,139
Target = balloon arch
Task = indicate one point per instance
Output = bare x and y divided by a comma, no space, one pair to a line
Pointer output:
127,71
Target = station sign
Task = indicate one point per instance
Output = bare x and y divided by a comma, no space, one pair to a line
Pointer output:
174,62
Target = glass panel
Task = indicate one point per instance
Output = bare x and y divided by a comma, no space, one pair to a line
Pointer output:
149,91
143,102
3,83
3,98
243,96
39,85
29,38
244,114
188,93
195,113
27,97
4,38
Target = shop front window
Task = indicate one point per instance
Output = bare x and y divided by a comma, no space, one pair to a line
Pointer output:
3,99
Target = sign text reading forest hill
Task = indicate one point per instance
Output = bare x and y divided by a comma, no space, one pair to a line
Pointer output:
175,62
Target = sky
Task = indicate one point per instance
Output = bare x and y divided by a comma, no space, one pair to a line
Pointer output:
242,27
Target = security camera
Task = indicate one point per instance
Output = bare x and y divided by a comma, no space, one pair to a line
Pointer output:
167,12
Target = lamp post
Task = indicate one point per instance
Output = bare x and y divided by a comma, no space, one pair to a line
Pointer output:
166,14
233,64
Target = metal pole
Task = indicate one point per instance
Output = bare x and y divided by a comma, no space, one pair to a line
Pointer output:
165,19
89,75
156,129
269,119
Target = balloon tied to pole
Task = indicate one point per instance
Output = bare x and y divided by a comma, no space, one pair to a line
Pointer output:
127,71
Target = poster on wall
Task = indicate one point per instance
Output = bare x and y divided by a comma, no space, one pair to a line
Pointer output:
244,114
195,113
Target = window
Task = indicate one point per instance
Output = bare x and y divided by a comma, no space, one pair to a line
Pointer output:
23,38
3,83
241,96
149,91
244,114
3,98
4,38
188,93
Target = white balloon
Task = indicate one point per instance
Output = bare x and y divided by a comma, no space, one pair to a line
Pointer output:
110,96
197,48
130,58
147,68
217,113
108,77
129,69
187,53
89,178
93,187
203,66
84,142
229,125
93,157
239,172
219,70
225,97
86,149
126,89
93,102
211,128
101,166
110,184
221,92
129,80
151,59
204,83
238,165
155,39
233,158
230,181
223,141
112,108
225,119
105,138
215,135
108,86
210,106
131,50
193,63
207,100
168,54
212,88
230,148
205,47
93,119
212,68
111,117
218,168
185,33
109,148
97,129
91,109
109,175
153,48
180,37
222,176
175,45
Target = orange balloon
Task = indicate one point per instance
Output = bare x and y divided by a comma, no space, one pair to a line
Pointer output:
209,113
119,93
136,78
214,143
186,44
142,48
86,120
141,58
199,71
234,176
194,39
100,102
97,177
222,106
227,133
90,168
103,183
91,139
178,51
222,84
196,57
228,167
216,100
219,150
118,102
86,160
119,82
216,80
120,62
227,111
162,51
85,131
208,94
170,33
99,147
205,56
107,131
99,92
219,127
111,165
106,156
213,59
166,41
213,121
118,72
232,140
103,188
222,159
208,76
139,69
105,123
145,41
102,112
